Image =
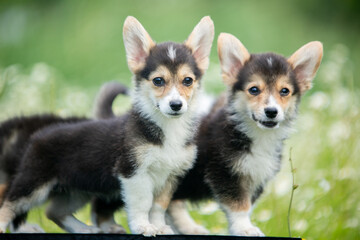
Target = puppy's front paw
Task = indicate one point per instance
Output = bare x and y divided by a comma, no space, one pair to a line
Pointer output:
3,227
166,230
250,231
146,230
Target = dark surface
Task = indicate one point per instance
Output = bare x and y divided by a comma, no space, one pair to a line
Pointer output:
62,236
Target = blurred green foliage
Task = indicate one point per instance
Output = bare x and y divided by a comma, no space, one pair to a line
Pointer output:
54,55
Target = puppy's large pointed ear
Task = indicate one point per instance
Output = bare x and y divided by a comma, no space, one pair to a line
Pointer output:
200,41
137,43
233,55
305,62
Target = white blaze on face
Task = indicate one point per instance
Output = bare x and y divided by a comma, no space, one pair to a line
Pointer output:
174,95
272,103
171,52
269,61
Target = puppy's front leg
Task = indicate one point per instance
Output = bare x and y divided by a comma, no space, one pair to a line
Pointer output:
238,214
160,205
138,197
182,220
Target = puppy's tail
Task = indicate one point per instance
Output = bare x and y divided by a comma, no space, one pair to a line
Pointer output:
106,97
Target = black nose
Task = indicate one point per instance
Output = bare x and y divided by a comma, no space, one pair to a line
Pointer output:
271,112
175,105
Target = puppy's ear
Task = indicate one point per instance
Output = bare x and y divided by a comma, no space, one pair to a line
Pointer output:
233,55
137,43
200,41
305,62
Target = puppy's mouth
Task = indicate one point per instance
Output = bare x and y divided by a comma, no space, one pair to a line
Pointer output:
173,115
269,124
266,124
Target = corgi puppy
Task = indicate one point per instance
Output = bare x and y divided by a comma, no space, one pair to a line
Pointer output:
240,142
15,134
135,159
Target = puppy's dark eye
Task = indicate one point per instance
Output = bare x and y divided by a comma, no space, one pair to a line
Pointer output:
159,81
254,91
187,81
284,92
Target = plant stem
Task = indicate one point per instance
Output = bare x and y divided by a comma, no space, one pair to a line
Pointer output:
292,191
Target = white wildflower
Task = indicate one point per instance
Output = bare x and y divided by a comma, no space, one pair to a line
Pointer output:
341,101
325,185
352,223
338,132
282,185
264,215
301,225
40,73
319,100
301,206
346,173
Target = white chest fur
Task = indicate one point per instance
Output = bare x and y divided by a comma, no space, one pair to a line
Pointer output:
172,157
262,162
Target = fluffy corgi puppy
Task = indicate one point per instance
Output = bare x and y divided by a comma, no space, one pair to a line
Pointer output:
240,142
15,134
136,158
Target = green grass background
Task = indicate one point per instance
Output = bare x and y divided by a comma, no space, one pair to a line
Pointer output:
54,56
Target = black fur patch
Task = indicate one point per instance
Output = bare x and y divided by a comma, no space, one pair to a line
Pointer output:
217,141
22,128
106,207
148,129
258,64
158,56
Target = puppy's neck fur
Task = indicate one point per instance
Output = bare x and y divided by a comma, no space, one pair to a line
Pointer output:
179,129
264,158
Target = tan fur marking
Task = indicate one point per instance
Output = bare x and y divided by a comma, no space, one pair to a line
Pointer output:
239,206
164,73
257,102
283,82
183,72
7,211
260,101
164,197
3,188
172,80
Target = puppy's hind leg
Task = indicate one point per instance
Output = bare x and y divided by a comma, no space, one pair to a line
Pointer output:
61,209
22,196
182,221
19,225
102,215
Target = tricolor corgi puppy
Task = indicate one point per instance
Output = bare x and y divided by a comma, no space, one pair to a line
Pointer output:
240,142
15,135
136,158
